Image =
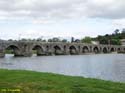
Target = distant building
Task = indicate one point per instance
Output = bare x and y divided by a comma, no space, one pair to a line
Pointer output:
72,39
123,42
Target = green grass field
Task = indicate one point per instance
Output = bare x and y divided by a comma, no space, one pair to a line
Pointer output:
37,82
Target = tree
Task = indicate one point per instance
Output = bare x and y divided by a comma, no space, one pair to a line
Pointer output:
10,40
56,39
44,40
87,39
64,40
77,41
116,31
23,39
39,39
104,40
50,40
115,42
122,34
99,37
123,31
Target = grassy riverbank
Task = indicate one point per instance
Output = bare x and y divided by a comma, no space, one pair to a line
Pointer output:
37,82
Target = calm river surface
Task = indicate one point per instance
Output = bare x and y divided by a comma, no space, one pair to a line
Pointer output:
101,66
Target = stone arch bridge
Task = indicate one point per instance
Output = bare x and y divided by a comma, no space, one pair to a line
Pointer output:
21,48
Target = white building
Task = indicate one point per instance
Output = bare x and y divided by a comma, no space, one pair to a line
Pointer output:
95,42
123,42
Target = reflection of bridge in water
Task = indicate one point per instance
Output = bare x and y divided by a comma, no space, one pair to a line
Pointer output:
25,48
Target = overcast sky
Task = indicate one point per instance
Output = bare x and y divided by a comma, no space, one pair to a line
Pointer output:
60,18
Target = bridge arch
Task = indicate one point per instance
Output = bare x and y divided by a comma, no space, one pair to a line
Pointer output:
112,49
38,49
96,49
118,49
57,50
47,47
85,49
12,49
72,50
105,50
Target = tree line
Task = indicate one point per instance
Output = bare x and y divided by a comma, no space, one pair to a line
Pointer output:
113,39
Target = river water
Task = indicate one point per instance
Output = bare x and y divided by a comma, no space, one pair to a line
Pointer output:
101,66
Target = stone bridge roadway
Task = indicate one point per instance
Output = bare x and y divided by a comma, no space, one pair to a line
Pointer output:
25,48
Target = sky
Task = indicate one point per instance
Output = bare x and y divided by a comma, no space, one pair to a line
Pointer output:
60,18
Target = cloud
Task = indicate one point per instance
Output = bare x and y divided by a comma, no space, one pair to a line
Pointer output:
112,9
120,23
61,9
